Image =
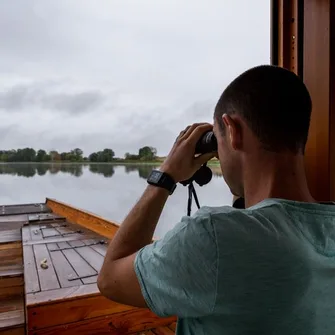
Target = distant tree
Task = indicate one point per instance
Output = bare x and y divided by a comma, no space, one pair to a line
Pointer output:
54,155
63,156
3,156
77,154
41,156
25,155
105,156
147,153
93,157
131,157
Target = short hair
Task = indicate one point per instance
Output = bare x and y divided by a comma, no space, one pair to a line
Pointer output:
275,104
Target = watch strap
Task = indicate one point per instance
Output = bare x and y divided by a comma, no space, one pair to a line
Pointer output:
163,180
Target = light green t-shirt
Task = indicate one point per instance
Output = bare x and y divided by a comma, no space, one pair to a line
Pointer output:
268,269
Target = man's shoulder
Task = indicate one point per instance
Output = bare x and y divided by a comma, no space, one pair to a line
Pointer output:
263,216
214,222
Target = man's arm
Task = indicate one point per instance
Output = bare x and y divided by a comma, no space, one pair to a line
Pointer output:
117,279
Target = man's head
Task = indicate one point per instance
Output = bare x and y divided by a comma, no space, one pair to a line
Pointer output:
266,110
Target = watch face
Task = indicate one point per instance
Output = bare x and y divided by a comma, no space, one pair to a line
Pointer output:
155,176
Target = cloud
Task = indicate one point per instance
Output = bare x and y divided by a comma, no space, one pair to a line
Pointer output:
21,97
122,74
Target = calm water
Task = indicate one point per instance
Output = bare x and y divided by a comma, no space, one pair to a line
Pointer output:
104,189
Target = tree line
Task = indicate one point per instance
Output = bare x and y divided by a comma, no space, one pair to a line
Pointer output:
76,155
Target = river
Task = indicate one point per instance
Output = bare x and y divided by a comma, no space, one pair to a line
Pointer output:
104,189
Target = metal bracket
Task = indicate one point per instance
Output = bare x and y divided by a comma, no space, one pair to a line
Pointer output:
65,234
58,226
79,246
70,278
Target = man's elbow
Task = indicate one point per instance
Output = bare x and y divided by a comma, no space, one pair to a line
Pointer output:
104,286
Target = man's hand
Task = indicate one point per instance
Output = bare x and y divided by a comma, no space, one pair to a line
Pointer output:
181,163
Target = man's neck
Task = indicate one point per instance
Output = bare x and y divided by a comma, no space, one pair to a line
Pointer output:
279,176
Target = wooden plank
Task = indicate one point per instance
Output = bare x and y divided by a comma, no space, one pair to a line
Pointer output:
127,322
70,293
66,312
64,270
173,326
9,271
7,236
11,304
90,241
11,291
77,243
50,232
91,221
45,217
71,237
92,257
23,209
11,281
13,218
11,253
100,248
64,230
163,331
11,319
19,330
48,278
9,246
52,246
30,270
80,265
25,234
64,245
90,280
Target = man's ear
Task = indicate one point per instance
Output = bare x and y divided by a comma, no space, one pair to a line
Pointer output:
233,131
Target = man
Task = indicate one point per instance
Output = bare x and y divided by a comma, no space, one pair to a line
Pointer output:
265,269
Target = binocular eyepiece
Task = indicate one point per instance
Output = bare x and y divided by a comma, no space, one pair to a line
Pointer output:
207,143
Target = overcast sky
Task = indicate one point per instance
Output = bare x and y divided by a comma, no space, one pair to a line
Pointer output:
120,73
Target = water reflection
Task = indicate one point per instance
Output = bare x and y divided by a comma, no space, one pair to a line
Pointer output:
21,170
143,170
106,170
30,170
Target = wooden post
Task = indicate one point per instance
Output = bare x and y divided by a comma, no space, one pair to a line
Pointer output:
319,77
303,41
287,34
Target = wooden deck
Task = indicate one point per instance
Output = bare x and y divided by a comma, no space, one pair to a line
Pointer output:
48,272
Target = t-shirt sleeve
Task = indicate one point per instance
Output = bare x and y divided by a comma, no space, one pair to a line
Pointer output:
178,274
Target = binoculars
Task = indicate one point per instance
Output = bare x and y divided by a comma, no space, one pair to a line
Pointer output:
207,143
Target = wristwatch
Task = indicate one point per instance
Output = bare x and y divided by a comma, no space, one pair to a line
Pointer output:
162,179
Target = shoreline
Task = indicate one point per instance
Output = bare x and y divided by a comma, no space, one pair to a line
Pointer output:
214,163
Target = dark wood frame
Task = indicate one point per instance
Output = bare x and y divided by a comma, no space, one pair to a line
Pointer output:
303,41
